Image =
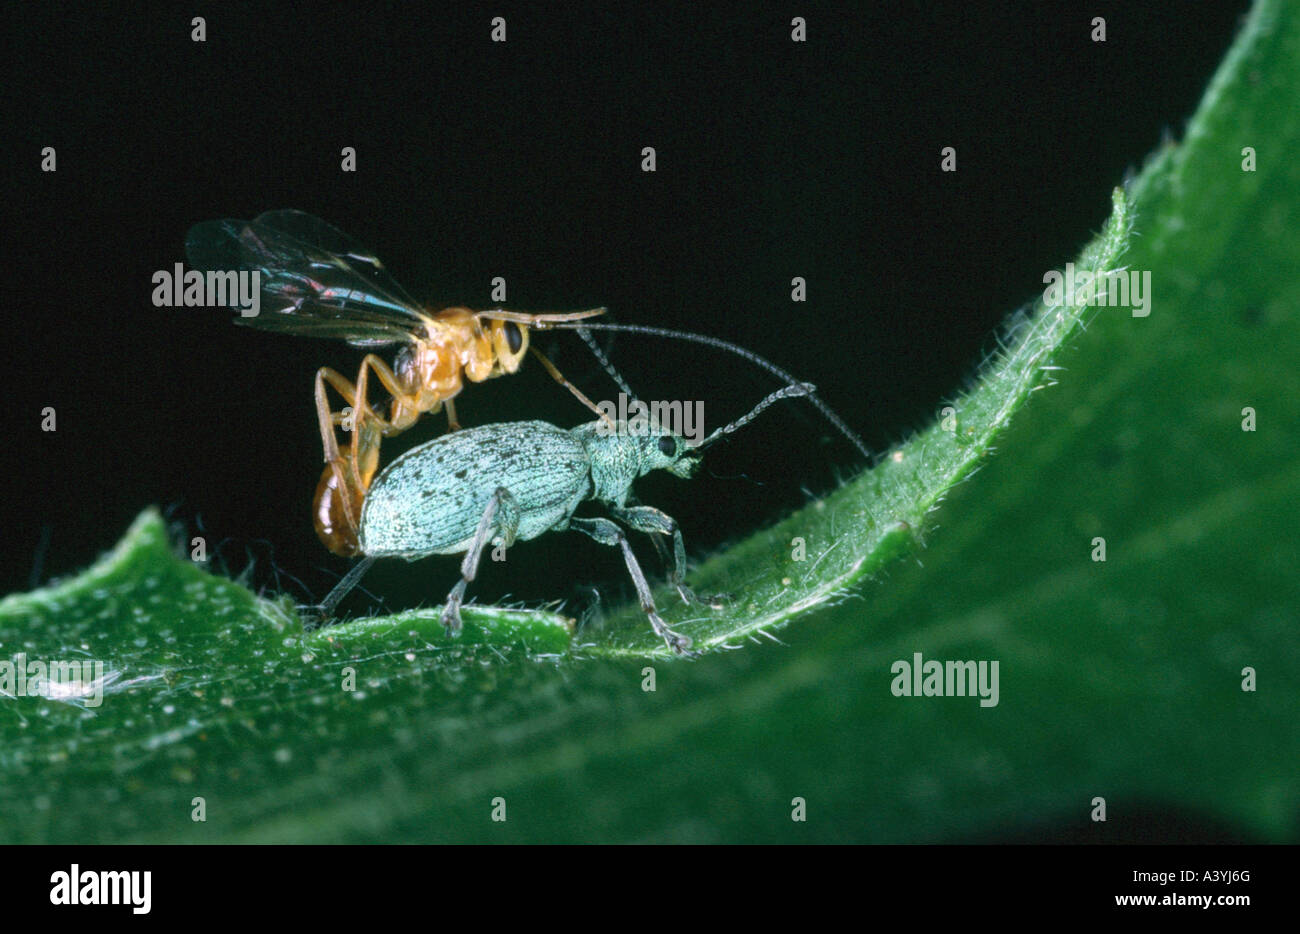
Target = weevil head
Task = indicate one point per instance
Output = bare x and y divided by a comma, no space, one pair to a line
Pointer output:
665,450
620,452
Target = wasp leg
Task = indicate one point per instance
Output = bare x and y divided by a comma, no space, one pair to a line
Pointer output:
578,394
363,438
607,533
489,526
368,425
453,424
352,473
405,408
350,469
362,416
325,415
338,461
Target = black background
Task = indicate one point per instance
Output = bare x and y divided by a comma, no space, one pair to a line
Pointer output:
775,160
1013,882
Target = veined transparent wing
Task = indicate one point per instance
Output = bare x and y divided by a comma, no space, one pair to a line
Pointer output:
316,281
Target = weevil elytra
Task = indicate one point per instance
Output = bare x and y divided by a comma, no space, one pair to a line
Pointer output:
508,482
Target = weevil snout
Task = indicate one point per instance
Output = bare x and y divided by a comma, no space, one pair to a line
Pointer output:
686,464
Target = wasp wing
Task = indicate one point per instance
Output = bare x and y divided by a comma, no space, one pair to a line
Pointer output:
316,281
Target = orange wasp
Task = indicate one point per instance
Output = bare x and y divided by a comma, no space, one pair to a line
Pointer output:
318,282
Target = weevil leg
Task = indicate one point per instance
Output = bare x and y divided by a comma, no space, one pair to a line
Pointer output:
506,525
656,522
661,547
607,533
663,551
323,613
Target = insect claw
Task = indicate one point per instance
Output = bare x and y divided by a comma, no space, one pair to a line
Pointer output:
714,601
451,619
675,640
312,616
685,652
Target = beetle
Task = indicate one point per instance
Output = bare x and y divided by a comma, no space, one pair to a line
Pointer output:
513,481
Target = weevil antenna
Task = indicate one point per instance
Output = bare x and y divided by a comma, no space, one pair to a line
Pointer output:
749,355
614,374
785,392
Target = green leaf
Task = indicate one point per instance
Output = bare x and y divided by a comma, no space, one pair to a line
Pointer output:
1120,679
813,556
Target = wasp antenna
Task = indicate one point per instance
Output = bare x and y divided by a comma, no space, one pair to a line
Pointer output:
749,355
540,321
785,392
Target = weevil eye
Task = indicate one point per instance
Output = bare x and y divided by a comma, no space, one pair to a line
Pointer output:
514,337
667,446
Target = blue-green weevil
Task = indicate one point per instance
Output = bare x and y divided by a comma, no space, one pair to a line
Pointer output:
502,483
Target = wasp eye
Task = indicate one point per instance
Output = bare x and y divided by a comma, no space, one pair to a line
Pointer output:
667,446
514,337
